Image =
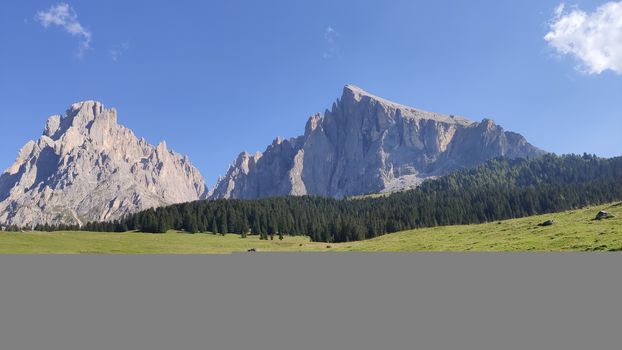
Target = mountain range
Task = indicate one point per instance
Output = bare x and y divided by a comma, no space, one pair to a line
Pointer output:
87,167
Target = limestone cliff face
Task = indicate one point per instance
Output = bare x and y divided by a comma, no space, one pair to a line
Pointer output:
86,167
366,144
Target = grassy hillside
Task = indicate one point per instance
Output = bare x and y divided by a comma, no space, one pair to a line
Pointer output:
573,231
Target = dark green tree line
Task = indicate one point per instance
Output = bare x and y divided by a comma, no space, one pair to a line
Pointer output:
499,189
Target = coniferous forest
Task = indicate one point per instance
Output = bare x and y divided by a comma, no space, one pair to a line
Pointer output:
500,189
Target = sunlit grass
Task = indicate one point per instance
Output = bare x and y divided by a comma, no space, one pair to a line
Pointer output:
573,231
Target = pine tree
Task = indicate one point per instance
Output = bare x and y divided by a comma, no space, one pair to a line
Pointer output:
214,227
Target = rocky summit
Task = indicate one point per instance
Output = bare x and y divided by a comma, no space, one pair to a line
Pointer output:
86,167
366,144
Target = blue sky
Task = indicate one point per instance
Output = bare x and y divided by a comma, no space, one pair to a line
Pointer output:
214,78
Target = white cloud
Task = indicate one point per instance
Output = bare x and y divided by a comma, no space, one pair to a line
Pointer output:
64,16
595,39
116,52
331,36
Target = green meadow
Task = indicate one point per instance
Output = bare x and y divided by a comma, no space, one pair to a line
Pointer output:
573,231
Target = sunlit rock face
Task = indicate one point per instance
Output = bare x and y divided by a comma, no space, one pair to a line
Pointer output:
366,144
87,167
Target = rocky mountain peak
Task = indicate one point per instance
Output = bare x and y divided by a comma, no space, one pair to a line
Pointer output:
488,123
355,99
86,107
161,148
81,118
367,144
87,167
313,123
84,114
357,94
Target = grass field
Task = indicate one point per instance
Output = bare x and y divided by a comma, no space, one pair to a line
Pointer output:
573,231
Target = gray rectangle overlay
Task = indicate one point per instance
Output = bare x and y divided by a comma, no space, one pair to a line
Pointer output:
312,301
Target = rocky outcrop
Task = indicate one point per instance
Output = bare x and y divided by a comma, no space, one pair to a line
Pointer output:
86,167
603,214
366,144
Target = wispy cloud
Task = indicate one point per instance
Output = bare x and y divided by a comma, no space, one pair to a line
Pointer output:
64,16
332,37
116,52
595,39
